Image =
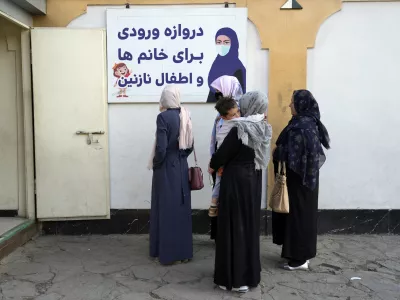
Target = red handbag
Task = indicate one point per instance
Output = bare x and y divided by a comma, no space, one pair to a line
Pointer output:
195,175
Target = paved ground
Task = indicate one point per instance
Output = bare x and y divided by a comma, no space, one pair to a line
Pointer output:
117,267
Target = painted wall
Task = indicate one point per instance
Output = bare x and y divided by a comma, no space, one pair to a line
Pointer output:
13,168
13,10
132,127
9,44
354,73
343,72
32,6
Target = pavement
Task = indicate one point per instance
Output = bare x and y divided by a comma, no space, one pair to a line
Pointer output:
117,267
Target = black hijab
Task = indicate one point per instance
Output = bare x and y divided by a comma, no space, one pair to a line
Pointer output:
299,144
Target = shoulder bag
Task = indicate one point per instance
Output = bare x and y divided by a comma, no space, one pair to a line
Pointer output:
195,175
279,200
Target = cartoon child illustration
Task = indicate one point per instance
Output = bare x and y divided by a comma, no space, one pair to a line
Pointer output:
121,70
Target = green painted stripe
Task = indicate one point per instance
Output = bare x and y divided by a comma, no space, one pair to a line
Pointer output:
9,234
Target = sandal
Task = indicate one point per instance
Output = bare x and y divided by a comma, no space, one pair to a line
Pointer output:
213,211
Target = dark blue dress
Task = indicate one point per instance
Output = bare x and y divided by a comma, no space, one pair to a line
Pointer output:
171,213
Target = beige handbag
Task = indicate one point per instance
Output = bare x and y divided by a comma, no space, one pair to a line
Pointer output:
279,200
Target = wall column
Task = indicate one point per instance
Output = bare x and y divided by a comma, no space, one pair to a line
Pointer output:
287,34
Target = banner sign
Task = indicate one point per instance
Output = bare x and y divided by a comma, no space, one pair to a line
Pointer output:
191,47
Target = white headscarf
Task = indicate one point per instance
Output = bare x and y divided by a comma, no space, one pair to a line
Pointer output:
229,86
171,98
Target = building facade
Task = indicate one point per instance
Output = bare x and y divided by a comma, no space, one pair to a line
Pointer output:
343,51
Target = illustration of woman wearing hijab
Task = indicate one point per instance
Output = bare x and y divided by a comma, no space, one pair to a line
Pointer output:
227,61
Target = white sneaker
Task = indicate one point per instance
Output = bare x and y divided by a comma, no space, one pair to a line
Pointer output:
242,289
303,267
222,287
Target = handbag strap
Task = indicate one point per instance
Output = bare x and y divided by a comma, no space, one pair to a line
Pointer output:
282,167
195,156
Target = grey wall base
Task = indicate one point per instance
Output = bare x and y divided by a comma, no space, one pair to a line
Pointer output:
133,221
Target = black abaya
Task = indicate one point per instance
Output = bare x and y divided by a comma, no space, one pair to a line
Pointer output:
297,231
214,220
237,258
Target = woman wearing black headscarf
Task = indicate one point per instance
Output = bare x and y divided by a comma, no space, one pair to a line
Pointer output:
300,147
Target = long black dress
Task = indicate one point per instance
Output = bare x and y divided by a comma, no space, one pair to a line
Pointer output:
297,231
171,214
214,220
237,257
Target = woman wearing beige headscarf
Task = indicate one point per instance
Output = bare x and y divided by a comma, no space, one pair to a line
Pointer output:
171,212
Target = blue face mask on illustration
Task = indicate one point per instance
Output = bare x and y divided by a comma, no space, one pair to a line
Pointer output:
223,49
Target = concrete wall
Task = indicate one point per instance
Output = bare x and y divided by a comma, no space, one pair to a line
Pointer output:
10,87
16,155
13,10
132,127
354,74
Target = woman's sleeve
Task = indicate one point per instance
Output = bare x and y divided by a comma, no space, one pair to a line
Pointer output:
213,139
228,150
187,152
161,142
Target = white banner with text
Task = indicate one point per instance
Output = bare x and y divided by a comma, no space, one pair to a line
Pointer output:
150,48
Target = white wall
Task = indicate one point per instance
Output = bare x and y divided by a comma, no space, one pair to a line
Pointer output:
16,12
16,156
354,74
132,127
9,99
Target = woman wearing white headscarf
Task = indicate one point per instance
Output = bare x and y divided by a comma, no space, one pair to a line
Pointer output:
171,212
244,154
226,86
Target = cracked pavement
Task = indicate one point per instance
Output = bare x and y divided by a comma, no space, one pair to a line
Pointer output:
117,267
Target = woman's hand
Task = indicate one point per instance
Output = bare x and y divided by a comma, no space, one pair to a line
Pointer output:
209,169
220,171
